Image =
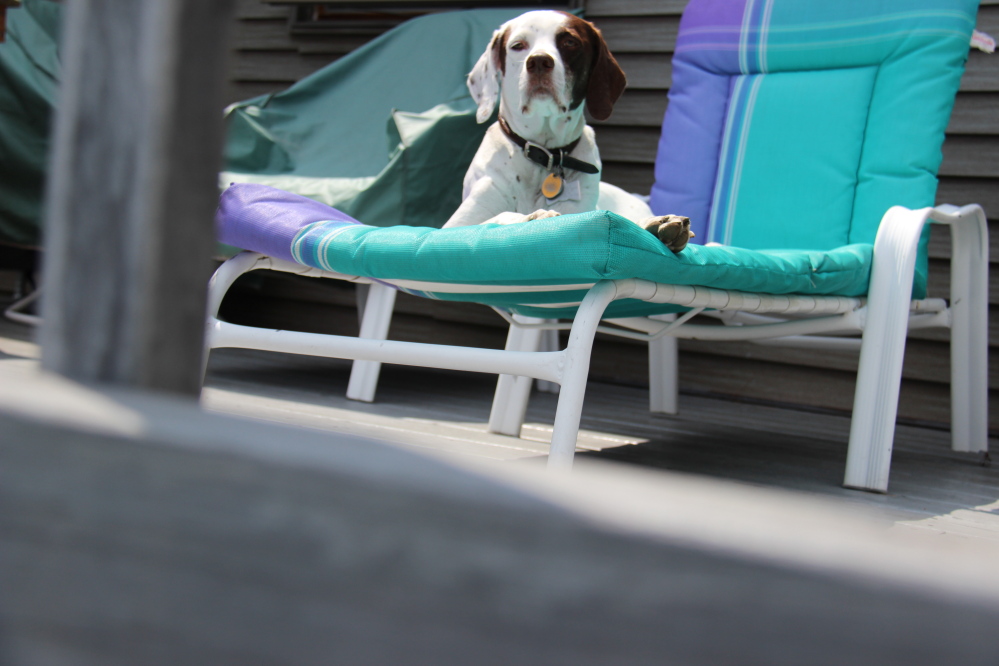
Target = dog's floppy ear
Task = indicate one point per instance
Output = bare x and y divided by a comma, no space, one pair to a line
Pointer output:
607,80
484,79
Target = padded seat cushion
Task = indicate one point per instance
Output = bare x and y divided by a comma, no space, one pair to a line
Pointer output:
567,250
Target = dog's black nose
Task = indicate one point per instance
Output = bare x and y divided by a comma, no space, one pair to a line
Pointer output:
540,62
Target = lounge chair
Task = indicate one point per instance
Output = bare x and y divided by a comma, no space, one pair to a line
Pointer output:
805,137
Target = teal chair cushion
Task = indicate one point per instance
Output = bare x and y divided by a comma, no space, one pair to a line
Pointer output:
519,266
568,250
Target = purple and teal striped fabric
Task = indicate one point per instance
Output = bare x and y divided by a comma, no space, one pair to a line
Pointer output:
798,123
538,268
267,220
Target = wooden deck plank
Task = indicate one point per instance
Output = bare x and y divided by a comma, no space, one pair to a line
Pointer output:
755,444
933,489
310,392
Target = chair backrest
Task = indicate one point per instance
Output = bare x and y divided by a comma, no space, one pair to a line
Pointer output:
797,124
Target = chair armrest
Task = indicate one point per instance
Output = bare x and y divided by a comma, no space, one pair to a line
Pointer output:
898,238
969,232
895,250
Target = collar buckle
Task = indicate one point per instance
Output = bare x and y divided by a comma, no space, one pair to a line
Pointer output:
527,153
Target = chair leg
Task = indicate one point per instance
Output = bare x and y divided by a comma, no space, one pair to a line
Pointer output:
663,372
549,342
969,332
872,429
879,376
574,375
512,393
219,284
375,322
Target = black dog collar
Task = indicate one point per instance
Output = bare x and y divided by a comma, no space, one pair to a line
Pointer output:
552,159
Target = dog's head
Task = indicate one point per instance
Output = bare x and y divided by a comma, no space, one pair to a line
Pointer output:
549,63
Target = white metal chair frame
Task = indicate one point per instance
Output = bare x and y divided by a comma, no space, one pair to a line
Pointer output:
883,318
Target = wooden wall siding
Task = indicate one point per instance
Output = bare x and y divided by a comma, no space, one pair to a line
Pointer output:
642,34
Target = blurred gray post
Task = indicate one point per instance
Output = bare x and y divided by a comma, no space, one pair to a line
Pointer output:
132,191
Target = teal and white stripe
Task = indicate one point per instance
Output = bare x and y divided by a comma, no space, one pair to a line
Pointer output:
754,36
764,36
312,243
753,44
745,90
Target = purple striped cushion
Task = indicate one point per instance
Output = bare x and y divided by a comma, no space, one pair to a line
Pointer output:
265,219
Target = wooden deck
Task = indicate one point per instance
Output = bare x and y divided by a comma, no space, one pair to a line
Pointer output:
933,489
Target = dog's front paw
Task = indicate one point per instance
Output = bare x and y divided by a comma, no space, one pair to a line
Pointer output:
541,214
673,230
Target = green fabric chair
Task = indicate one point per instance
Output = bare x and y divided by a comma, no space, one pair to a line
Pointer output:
29,69
384,134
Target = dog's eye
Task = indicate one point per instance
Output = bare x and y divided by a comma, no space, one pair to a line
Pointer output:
518,46
570,43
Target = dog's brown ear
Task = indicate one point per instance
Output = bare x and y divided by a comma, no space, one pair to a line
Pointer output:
498,46
607,80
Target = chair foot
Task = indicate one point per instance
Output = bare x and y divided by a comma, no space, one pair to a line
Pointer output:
506,417
375,309
879,374
663,369
509,405
576,369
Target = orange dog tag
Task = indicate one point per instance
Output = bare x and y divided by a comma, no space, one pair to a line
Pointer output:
552,186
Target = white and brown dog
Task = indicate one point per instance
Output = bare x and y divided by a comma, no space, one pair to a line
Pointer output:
540,158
